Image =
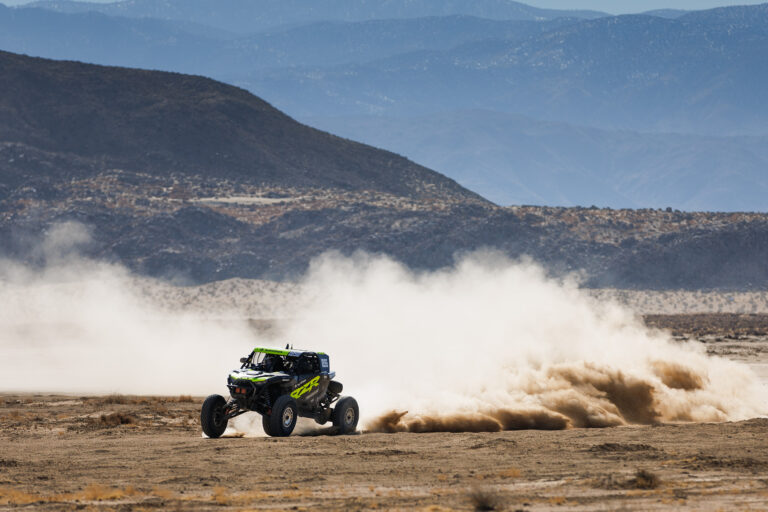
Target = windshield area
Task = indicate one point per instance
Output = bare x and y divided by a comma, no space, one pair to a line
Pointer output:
268,362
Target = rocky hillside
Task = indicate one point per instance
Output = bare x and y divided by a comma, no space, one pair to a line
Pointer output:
185,178
79,120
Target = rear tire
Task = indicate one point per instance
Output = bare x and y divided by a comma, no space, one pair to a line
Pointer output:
212,416
283,418
345,415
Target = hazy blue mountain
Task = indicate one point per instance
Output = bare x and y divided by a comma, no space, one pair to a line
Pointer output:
704,72
254,15
97,38
184,47
335,43
512,159
666,13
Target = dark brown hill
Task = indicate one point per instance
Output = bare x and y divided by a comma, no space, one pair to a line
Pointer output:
168,123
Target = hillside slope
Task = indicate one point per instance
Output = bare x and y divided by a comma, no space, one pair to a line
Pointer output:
166,123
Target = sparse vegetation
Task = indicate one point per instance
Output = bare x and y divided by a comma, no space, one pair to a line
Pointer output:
114,419
485,499
644,479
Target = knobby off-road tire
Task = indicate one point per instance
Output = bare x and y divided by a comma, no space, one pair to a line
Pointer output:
212,416
265,425
345,415
283,418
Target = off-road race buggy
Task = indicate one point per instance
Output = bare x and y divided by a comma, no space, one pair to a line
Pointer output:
282,385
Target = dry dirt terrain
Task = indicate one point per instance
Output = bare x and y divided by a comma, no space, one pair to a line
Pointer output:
147,453
141,453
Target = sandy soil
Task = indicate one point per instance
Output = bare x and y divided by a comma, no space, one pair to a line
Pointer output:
142,453
147,453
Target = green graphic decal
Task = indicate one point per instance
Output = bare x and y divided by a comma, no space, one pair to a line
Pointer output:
237,376
305,388
272,351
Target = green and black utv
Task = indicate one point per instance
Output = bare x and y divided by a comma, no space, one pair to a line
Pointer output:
282,385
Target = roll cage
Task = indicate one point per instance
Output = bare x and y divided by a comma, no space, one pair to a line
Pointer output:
290,361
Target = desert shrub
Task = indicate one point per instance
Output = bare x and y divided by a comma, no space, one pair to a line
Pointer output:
96,492
644,479
485,500
114,419
115,399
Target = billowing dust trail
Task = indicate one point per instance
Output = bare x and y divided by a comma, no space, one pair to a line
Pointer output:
489,344
495,345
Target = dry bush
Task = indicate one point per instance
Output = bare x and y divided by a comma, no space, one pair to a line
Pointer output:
162,493
10,496
113,420
160,409
485,500
221,495
114,398
96,492
510,473
644,479
185,399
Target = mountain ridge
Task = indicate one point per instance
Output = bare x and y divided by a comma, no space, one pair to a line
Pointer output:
246,16
692,74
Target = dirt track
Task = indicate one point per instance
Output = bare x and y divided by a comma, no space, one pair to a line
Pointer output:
134,453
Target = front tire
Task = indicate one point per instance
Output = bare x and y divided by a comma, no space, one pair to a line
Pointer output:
265,425
213,417
345,415
283,418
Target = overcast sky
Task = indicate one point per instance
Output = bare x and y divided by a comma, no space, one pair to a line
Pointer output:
611,6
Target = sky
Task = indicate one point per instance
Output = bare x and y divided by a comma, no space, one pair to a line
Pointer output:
610,6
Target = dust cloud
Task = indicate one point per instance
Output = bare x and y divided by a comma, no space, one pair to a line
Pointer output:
83,326
487,345
493,344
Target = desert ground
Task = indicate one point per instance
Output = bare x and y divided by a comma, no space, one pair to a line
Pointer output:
146,453
116,452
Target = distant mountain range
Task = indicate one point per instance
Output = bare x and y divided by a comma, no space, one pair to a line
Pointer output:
193,180
248,16
395,70
180,46
701,73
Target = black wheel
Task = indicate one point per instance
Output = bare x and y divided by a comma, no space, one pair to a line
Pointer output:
345,415
265,425
213,417
283,417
